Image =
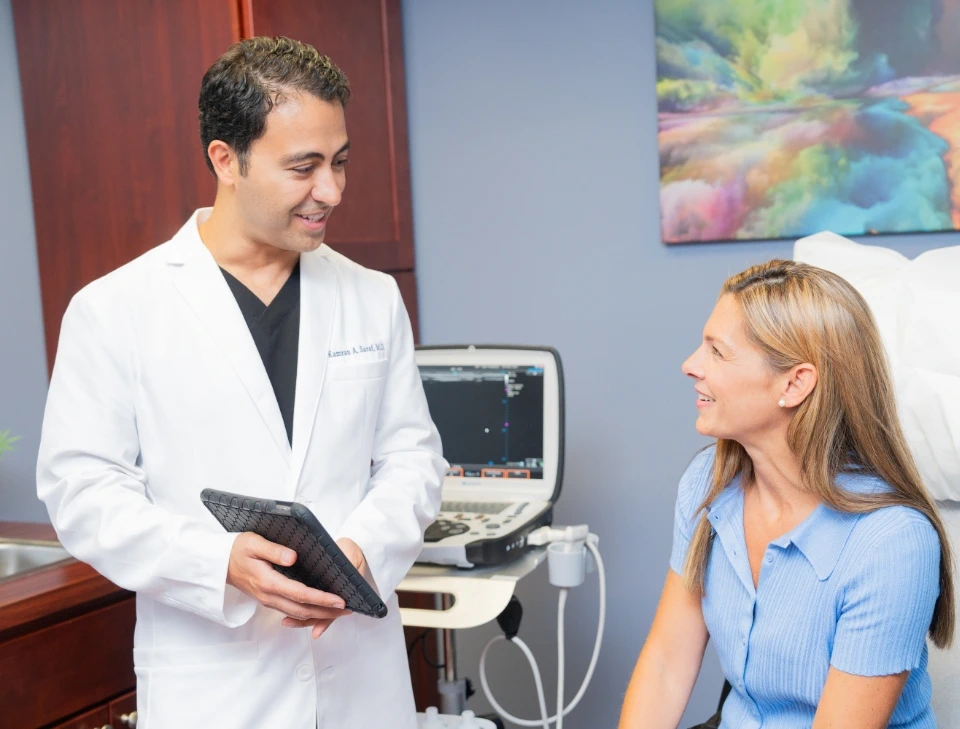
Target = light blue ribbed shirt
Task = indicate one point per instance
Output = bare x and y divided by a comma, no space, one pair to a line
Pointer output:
855,592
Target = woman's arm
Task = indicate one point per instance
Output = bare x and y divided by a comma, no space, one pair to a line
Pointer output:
669,662
858,702
890,586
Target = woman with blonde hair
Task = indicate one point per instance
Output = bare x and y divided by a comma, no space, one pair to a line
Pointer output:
805,544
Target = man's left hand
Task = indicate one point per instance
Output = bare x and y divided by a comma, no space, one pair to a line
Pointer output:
352,552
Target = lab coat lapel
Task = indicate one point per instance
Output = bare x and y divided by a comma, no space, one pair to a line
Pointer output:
205,290
318,305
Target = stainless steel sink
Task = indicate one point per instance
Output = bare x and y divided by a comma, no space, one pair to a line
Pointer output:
18,556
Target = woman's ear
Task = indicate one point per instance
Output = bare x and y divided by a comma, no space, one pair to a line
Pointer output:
800,382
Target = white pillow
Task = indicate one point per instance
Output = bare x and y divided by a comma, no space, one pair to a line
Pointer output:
917,307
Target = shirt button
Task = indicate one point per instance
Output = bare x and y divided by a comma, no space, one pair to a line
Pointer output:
305,672
769,559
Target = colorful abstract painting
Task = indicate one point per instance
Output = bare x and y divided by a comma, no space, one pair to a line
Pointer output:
781,118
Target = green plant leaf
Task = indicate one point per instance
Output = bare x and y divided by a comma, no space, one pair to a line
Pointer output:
7,441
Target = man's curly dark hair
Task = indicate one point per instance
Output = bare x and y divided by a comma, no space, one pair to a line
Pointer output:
246,82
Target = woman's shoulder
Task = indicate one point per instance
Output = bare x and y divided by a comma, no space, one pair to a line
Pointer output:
892,526
886,518
891,529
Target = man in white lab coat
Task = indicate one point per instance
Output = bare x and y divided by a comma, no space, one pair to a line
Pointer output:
182,371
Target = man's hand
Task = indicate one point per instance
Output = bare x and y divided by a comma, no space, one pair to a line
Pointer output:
250,571
352,552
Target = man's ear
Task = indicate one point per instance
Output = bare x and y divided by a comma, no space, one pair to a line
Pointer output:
224,160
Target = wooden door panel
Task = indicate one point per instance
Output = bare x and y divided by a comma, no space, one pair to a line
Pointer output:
364,38
407,283
110,92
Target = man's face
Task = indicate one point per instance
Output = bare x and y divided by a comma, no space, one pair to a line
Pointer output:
295,174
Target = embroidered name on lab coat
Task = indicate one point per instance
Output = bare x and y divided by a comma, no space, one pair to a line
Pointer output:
358,349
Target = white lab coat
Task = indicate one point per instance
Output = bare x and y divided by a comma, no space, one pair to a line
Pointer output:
159,392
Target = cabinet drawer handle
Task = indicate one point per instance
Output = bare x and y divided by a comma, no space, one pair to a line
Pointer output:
129,720
106,726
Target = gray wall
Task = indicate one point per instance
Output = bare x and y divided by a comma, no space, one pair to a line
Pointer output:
23,368
534,159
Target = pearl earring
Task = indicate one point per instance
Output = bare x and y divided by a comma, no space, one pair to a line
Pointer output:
782,403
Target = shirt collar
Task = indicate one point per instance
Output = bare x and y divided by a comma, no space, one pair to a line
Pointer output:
727,500
822,536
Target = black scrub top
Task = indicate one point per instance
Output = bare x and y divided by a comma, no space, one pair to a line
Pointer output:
276,332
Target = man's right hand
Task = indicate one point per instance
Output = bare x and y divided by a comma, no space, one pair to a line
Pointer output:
251,571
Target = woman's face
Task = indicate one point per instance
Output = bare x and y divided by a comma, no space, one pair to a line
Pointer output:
737,391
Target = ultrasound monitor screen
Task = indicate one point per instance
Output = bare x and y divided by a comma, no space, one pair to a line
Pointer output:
490,419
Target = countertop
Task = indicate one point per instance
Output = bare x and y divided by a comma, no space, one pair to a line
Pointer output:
52,593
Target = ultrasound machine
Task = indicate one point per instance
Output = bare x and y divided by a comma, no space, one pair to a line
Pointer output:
499,410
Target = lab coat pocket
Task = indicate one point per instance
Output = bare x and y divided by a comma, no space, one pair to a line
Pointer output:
170,683
349,370
346,419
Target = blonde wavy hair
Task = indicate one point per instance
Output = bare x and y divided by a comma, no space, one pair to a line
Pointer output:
796,313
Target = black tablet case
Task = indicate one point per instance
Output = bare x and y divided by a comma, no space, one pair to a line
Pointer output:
320,562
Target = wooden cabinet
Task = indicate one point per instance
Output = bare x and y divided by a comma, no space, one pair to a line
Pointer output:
123,711
68,666
110,93
98,718
66,639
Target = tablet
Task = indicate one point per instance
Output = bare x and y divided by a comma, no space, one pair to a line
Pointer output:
320,562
